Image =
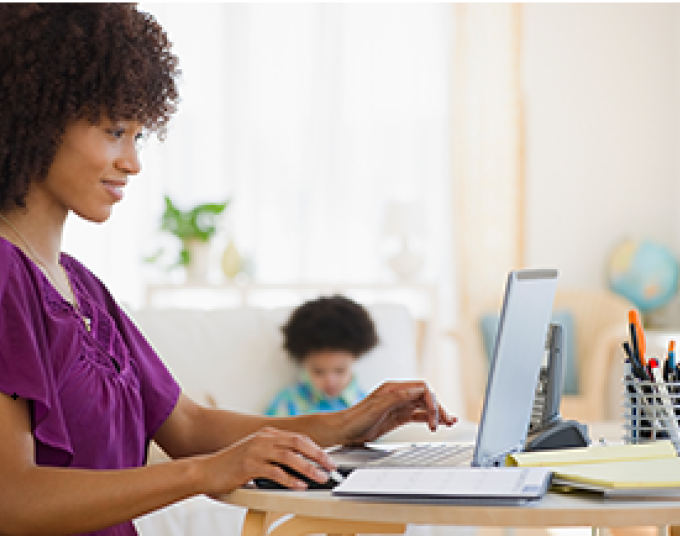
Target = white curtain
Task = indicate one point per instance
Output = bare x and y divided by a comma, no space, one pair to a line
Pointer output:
311,118
489,147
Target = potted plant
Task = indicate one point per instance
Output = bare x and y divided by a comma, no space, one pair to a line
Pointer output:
194,227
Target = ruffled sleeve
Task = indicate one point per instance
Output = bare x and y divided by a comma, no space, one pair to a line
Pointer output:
26,367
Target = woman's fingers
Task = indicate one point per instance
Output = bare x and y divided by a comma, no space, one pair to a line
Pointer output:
394,404
432,408
303,464
421,395
305,447
275,450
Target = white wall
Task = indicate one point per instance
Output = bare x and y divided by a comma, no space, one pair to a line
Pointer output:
603,119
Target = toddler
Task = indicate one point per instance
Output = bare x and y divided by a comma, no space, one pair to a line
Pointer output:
325,336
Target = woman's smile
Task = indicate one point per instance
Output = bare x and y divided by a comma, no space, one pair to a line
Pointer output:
115,187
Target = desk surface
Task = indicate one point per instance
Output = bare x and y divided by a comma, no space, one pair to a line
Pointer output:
553,510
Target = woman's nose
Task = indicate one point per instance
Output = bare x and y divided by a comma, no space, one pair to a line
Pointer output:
128,161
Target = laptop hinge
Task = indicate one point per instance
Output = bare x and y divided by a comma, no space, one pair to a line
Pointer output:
499,459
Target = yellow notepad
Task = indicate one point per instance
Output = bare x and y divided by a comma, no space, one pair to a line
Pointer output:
593,455
659,473
618,470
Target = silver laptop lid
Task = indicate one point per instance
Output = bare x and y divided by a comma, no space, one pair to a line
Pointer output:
515,365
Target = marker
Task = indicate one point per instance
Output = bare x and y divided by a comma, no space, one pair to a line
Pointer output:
639,343
654,371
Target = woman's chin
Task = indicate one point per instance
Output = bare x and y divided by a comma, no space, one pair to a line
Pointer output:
98,216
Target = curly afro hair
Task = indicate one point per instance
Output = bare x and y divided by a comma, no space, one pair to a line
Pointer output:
60,63
329,323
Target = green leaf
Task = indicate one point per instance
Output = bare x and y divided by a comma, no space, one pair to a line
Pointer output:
184,258
154,257
198,223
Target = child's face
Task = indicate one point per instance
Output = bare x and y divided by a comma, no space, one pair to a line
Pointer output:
330,370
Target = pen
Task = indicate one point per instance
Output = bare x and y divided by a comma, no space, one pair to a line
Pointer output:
671,363
673,377
671,355
636,367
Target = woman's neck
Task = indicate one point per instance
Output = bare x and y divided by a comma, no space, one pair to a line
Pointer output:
35,234
38,225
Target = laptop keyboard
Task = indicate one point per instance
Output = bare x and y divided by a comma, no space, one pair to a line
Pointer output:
429,455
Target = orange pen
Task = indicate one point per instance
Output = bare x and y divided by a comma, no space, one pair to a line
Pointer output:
634,320
671,356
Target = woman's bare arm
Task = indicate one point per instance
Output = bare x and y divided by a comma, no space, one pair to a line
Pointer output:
220,451
192,429
45,500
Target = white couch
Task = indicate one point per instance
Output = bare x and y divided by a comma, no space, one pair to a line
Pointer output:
233,358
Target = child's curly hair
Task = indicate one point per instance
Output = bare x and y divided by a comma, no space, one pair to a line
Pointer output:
63,62
329,323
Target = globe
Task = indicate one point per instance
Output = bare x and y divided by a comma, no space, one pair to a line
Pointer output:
644,272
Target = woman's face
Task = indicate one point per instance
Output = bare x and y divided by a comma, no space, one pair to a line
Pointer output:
92,166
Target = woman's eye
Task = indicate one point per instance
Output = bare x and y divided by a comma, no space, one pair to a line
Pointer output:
117,132
139,137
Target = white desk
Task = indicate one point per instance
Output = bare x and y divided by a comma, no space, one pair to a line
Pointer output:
319,511
314,512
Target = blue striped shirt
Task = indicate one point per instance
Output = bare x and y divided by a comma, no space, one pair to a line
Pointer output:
303,398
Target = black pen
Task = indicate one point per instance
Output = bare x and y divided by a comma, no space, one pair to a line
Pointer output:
633,339
636,367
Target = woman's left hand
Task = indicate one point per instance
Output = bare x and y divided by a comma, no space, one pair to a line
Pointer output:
388,407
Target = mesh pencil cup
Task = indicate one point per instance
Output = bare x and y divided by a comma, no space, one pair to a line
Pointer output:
651,411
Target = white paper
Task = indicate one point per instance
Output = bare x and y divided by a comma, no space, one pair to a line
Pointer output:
458,482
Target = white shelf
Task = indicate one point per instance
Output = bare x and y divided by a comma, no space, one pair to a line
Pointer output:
245,291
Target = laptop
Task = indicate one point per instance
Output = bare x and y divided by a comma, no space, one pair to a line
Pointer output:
518,354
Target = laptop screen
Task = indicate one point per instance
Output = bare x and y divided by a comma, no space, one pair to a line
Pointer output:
515,365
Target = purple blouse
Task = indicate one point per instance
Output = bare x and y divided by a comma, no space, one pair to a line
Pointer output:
96,397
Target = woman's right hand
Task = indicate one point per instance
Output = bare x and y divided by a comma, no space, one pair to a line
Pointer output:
257,456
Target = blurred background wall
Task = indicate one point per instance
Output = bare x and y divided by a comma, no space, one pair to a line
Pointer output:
601,131
602,122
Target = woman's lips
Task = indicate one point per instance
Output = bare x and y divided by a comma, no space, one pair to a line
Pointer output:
115,188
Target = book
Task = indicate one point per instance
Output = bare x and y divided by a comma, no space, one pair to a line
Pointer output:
650,469
449,485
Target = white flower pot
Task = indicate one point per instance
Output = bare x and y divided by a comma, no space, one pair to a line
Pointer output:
197,269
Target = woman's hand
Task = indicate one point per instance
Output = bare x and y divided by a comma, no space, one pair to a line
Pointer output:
256,456
390,406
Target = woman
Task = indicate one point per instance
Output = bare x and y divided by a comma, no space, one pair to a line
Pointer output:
81,391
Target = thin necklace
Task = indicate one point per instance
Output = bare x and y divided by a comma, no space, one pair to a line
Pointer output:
39,261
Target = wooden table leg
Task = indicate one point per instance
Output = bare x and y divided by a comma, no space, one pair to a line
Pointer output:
254,523
301,525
